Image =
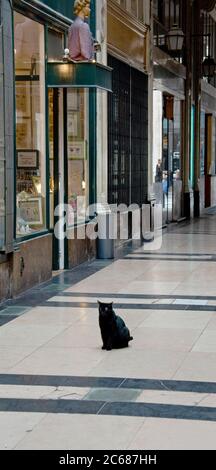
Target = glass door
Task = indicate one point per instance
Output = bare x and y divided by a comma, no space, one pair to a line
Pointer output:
56,176
171,160
167,170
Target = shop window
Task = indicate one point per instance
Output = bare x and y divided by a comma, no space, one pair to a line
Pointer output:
202,143
2,164
51,156
134,7
78,161
55,45
177,162
2,202
30,126
214,143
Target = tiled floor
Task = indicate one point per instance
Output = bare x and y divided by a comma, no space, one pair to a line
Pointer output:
59,390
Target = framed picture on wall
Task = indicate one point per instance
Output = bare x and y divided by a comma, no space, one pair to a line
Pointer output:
72,100
23,91
27,159
30,210
23,134
76,150
72,124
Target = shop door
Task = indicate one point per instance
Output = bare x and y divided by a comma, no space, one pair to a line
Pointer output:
171,160
208,158
57,174
167,165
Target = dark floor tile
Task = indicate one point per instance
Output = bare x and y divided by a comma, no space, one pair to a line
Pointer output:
170,385
50,406
57,381
113,394
153,410
6,319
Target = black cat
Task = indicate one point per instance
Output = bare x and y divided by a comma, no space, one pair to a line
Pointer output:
114,332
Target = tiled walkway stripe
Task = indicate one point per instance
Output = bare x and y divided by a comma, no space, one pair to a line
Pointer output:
106,408
108,382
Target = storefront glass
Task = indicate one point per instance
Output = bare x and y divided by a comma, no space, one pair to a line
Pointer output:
30,126
78,148
167,158
2,168
214,144
2,202
51,156
202,143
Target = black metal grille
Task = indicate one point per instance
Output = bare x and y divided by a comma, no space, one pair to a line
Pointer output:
127,135
119,134
139,137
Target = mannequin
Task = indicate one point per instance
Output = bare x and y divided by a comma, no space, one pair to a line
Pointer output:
80,40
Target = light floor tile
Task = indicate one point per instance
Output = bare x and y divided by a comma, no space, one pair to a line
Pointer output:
172,397
42,392
165,339
190,302
111,288
148,287
178,319
183,267
16,426
202,276
212,323
158,276
28,335
166,301
209,401
81,432
206,342
60,361
197,366
194,290
133,363
53,315
79,336
171,434
12,355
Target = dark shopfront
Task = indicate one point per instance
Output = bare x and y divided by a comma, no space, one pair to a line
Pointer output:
128,135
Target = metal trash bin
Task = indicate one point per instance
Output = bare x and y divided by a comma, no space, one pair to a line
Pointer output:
148,222
105,240
152,203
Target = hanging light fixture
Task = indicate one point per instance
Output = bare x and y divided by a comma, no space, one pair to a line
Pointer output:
209,67
175,38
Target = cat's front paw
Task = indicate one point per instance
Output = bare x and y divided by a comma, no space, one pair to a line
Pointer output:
103,347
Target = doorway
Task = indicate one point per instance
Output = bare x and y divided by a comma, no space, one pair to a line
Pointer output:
68,171
171,159
208,158
57,175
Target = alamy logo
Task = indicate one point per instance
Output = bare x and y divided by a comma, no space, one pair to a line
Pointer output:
113,221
